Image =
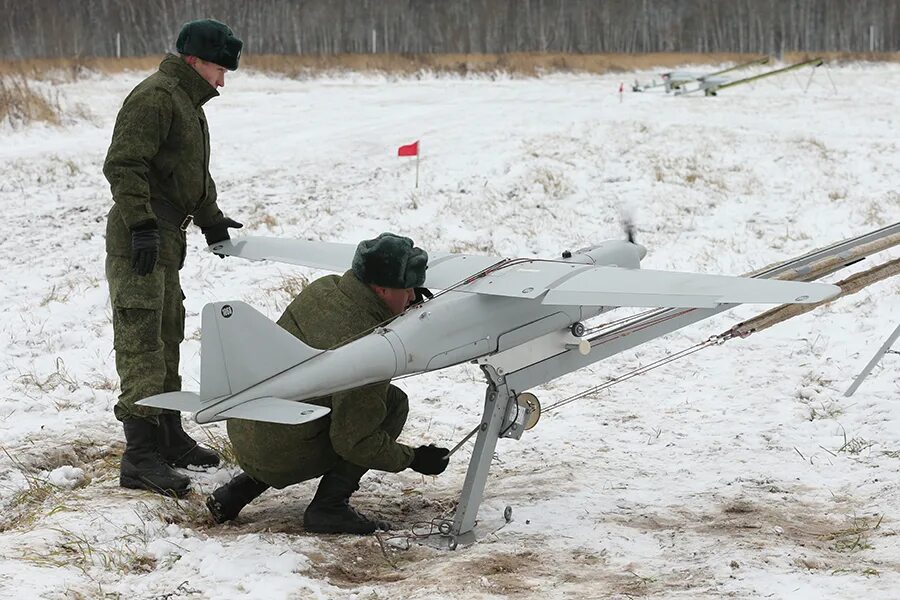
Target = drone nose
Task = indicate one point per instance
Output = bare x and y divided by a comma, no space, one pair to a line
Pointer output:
642,251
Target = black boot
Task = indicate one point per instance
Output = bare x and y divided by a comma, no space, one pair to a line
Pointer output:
142,466
226,502
330,510
178,448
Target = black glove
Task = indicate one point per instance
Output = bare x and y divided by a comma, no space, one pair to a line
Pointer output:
422,294
430,460
144,247
219,232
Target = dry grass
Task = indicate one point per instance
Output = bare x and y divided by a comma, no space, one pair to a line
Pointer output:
554,183
221,444
72,69
289,288
190,511
26,503
856,536
21,103
855,445
522,64
124,555
31,382
265,220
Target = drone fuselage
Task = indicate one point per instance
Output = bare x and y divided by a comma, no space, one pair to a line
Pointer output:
454,327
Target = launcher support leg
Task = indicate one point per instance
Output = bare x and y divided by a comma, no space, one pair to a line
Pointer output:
463,530
888,344
480,464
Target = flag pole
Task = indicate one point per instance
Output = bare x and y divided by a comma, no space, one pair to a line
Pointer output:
418,152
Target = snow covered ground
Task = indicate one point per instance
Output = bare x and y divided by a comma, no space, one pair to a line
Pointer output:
738,472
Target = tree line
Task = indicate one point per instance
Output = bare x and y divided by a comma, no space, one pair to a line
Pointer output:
103,28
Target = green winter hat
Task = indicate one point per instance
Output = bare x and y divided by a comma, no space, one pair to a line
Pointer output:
210,40
390,261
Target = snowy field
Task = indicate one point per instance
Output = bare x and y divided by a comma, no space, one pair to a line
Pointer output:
739,472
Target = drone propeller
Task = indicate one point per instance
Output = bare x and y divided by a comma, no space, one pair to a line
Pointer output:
628,225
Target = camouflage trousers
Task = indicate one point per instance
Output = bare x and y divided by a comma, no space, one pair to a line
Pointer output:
282,455
148,328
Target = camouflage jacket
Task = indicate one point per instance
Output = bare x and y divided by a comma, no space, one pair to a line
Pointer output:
329,312
160,151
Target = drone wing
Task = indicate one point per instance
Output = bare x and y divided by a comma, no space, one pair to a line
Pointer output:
444,269
560,282
320,255
582,285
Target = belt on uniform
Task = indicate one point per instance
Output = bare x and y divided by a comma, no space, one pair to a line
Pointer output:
168,213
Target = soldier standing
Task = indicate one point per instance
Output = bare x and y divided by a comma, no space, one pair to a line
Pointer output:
360,432
158,170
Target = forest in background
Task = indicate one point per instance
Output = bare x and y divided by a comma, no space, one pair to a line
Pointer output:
111,28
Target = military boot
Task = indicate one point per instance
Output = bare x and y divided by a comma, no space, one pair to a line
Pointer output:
330,510
226,502
143,467
178,448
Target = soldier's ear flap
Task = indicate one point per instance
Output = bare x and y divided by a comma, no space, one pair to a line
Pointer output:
232,53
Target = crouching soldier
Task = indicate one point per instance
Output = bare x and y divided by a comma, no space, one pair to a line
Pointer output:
361,431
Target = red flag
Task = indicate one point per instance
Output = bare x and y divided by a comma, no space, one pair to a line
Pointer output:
409,149
621,87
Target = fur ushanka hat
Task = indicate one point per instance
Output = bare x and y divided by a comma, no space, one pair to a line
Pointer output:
390,261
